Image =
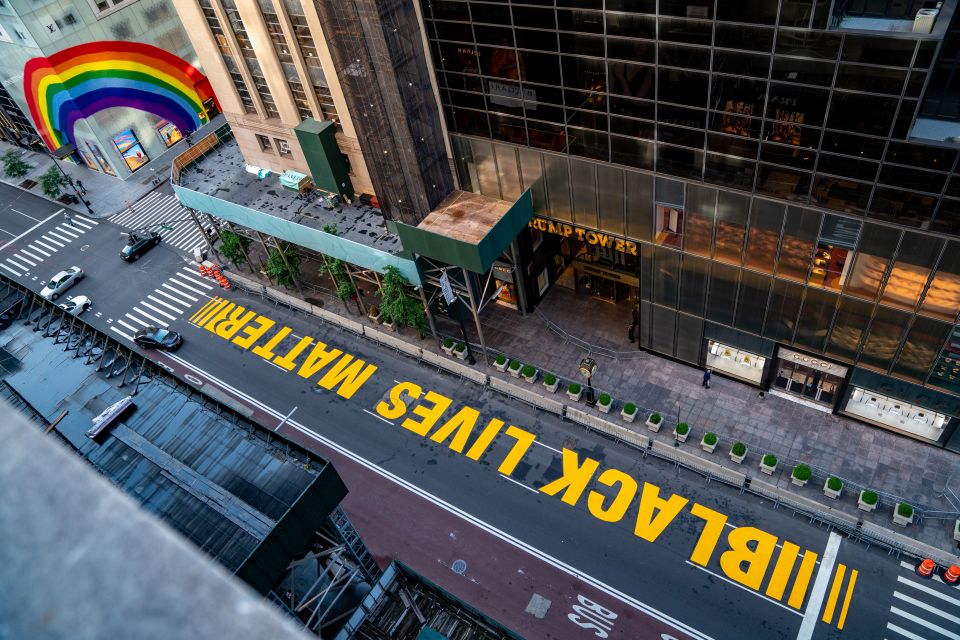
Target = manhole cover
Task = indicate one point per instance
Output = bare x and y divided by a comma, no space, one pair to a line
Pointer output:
459,566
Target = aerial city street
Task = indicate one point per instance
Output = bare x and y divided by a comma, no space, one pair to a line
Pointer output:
480,320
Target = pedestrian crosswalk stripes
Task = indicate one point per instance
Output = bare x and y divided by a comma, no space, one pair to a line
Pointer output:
162,306
48,243
923,609
163,213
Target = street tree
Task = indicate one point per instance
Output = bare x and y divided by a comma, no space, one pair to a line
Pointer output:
52,183
277,266
397,305
233,246
13,165
337,270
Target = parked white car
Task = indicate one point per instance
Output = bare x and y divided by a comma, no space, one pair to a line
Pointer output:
76,305
61,282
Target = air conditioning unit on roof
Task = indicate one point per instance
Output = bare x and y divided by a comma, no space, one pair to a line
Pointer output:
924,21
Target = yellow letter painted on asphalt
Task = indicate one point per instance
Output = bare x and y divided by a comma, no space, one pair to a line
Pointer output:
318,359
463,423
265,351
524,442
650,523
782,570
397,406
802,581
209,304
756,560
575,478
251,335
714,522
289,361
619,505
430,415
221,314
349,375
482,443
229,327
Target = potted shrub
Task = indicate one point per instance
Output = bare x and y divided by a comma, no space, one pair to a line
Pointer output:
574,391
832,487
768,464
903,514
514,368
447,346
460,351
738,452
500,364
604,403
629,412
801,473
681,431
388,323
529,373
868,500
551,382
374,314
654,422
709,442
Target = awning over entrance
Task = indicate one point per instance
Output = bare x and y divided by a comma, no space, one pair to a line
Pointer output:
468,230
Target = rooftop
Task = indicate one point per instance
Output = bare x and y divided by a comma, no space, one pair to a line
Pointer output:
465,216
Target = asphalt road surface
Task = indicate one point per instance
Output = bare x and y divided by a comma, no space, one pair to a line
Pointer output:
554,531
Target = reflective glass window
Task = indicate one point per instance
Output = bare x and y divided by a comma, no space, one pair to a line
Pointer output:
508,129
533,39
542,68
470,122
872,79
499,36
693,284
633,80
799,235
901,126
803,71
459,31
686,31
631,26
459,58
680,136
689,338
631,127
509,171
923,344
683,116
942,299
947,219
491,13
908,277
632,152
766,223
847,167
736,124
666,276
781,319
740,96
678,161
731,172
446,10
639,205
849,327
584,187
891,52
486,168
807,44
610,192
799,157
547,136
783,183
732,145
534,17
585,73
815,318
917,155
723,293
833,257
734,36
732,211
886,330
852,144
499,62
902,207
635,6
683,87
871,260
581,44
580,20
840,194
752,301
675,55
557,178
751,11
633,108
796,105
632,50
913,179
744,64
915,84
589,144
872,115
687,8
700,211
662,329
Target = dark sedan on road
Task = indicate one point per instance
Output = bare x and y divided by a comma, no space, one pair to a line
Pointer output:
138,244
154,338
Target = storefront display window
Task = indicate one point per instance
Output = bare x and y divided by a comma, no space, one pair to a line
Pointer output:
128,146
169,133
736,362
808,377
896,414
101,160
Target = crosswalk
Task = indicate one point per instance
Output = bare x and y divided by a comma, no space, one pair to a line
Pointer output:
39,250
923,609
165,304
163,209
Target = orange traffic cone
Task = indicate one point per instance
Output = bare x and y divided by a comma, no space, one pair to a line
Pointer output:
951,575
204,271
925,568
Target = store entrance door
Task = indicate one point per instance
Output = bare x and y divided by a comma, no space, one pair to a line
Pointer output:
808,377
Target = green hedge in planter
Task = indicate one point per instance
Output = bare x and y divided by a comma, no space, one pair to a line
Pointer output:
655,418
460,347
514,365
550,379
738,449
528,371
682,428
629,408
802,472
501,359
870,497
770,460
574,388
709,438
447,343
904,510
605,399
834,483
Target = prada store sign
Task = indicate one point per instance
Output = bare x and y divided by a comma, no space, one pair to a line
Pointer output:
598,238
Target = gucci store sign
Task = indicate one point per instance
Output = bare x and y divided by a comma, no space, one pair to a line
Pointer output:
817,363
598,238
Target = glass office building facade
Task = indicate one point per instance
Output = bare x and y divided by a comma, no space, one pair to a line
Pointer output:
744,171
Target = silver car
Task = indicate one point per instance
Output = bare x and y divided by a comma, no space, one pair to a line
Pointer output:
76,305
61,282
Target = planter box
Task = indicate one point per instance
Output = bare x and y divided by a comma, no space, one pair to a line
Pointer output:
552,388
501,367
899,519
515,372
447,350
798,482
863,506
830,493
654,426
681,437
533,378
389,325
629,417
375,319
575,396
708,447
739,459
605,408
767,469
460,355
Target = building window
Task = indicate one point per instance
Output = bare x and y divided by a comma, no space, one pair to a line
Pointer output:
669,225
283,147
264,143
736,362
102,8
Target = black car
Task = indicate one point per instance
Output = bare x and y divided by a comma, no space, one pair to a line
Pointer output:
138,244
11,311
154,338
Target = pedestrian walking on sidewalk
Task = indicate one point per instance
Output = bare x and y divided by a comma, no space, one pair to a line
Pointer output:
189,140
706,378
68,218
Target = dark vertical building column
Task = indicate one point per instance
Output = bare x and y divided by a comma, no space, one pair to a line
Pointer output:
378,52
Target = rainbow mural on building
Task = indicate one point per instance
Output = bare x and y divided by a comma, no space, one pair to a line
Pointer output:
80,81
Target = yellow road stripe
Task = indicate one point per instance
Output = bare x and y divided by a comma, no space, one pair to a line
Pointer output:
781,572
219,311
846,599
834,593
800,585
206,306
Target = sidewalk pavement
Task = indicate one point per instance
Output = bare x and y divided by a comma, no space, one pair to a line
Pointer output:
107,195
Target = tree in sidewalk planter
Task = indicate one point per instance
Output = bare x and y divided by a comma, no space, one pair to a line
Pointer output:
337,270
277,268
13,165
397,306
233,246
52,183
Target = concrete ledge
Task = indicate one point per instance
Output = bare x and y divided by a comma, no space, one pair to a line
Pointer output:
393,341
537,400
914,547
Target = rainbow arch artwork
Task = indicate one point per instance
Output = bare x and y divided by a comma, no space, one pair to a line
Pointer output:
82,80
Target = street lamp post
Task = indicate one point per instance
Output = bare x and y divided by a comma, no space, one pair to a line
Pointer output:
588,367
463,332
60,154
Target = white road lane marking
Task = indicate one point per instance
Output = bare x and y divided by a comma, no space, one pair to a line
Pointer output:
812,613
52,241
27,253
378,417
128,326
546,446
21,258
165,314
189,297
167,295
928,590
185,285
200,282
137,320
747,589
24,215
80,221
83,219
155,319
38,250
904,632
58,236
924,623
16,273
167,304
10,242
46,246
70,232
926,607
18,265
519,483
8,233
128,337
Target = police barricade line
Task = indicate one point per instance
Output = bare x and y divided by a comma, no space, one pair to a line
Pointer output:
827,514
908,545
453,367
525,395
603,426
393,342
